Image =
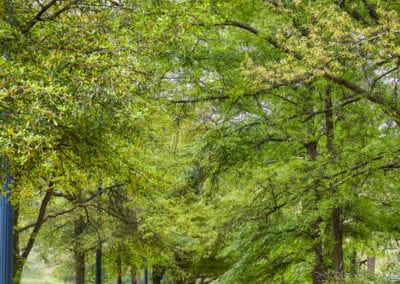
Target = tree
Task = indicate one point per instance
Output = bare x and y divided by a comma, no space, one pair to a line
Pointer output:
82,80
306,71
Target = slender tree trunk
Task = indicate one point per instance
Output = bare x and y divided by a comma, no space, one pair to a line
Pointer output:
17,261
318,273
79,266
337,234
39,222
133,275
336,212
354,263
79,253
371,264
119,271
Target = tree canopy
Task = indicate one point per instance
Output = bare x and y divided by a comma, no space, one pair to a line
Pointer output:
228,141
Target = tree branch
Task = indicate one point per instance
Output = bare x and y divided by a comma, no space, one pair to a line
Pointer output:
62,10
240,25
39,222
375,98
269,88
384,74
388,107
372,11
43,10
38,16
69,198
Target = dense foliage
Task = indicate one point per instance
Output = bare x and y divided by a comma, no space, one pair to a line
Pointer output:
231,141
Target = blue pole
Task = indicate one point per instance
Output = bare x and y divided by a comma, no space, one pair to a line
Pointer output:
6,230
146,272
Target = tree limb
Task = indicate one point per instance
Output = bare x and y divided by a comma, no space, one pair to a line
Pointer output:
39,222
49,216
62,10
240,25
372,97
388,107
43,10
38,16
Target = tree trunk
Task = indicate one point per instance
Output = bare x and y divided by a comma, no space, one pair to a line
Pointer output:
39,221
79,253
318,273
336,212
133,275
353,269
371,264
119,271
79,266
158,273
337,234
20,258
17,261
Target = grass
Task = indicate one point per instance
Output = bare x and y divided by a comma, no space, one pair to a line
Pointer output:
45,280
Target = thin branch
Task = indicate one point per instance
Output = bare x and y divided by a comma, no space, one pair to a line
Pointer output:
240,25
388,107
39,15
196,100
314,113
109,212
67,196
384,74
62,10
269,88
49,216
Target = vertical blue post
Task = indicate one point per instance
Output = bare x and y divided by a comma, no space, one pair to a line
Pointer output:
6,228
146,272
